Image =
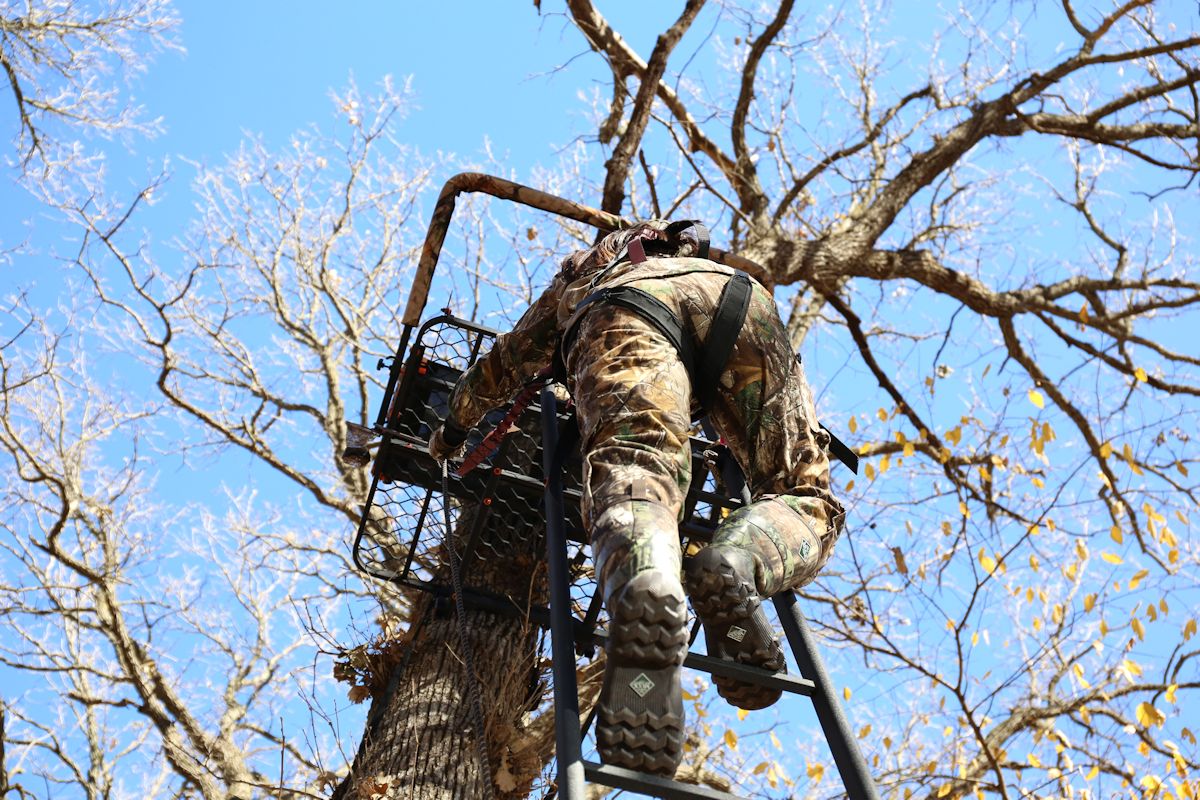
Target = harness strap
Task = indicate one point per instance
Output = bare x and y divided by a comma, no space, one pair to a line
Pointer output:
722,334
646,306
702,237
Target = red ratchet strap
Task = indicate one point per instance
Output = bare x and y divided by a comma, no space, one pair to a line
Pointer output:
497,434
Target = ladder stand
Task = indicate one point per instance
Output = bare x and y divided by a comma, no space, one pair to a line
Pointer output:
525,496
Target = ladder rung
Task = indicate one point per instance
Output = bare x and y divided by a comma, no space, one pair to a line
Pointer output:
756,675
621,778
732,669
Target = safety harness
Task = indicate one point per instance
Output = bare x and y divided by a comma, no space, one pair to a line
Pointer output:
704,364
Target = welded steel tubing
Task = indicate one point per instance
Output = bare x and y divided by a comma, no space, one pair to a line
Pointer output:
569,746
850,764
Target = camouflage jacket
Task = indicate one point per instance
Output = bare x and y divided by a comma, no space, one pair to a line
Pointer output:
524,351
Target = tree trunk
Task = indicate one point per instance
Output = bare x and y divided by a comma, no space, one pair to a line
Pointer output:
420,739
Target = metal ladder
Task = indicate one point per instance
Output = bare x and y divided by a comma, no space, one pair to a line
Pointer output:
573,772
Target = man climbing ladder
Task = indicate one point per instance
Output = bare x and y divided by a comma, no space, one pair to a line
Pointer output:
648,333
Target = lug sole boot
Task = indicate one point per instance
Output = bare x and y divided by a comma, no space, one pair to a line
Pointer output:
640,720
720,582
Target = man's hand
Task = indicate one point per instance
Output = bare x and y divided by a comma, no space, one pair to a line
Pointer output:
447,440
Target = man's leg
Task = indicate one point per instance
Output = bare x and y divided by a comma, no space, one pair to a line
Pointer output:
764,410
632,398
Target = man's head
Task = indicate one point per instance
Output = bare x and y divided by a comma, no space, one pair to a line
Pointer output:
652,232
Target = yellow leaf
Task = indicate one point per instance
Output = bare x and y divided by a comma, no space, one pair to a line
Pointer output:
1189,629
742,713
1140,374
731,738
898,557
987,562
865,732
816,771
1034,761
945,790
975,638
1187,734
1183,471
1170,695
1089,602
1039,483
1138,628
761,768
1106,450
882,415
884,463
1036,398
909,449
775,741
1112,558
1092,773
1033,560
870,471
1137,578
853,424
1116,535
846,693
962,509
1150,782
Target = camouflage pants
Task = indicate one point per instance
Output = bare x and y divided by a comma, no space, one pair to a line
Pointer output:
633,399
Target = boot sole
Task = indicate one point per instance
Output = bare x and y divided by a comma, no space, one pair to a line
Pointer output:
640,719
735,627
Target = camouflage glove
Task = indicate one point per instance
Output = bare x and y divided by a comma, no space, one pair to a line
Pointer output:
447,440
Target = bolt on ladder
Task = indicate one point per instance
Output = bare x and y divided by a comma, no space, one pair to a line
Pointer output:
573,772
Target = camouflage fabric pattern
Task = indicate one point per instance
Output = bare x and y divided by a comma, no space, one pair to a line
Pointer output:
785,538
635,405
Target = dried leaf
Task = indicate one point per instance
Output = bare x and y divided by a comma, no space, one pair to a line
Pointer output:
1148,715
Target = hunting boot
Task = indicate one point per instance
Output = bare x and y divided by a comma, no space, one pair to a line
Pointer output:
758,551
640,720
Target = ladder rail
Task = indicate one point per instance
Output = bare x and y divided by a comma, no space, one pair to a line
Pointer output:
838,733
567,737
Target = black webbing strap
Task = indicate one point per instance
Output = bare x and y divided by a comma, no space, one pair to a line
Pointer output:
702,237
841,451
646,306
722,334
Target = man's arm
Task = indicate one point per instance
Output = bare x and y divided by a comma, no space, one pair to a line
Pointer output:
492,380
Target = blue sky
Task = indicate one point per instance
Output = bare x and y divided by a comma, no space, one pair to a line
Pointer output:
479,70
